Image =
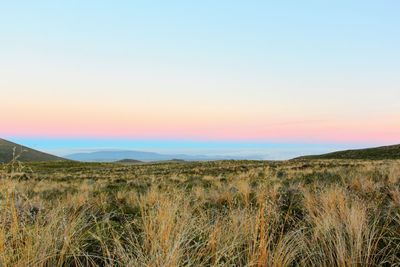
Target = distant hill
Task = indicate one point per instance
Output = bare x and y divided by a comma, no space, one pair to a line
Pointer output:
377,153
112,156
130,161
178,160
26,154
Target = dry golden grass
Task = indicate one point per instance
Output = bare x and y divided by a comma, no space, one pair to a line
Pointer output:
300,213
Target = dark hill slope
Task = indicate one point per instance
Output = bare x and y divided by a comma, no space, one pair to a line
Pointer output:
26,154
377,153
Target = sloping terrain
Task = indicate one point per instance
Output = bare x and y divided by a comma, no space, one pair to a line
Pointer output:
377,153
24,154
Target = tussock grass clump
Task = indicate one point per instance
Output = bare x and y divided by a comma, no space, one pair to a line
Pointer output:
228,213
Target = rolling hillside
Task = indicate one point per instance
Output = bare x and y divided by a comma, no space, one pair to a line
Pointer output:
377,153
26,154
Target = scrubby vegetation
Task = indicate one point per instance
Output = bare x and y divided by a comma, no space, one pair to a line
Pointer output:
10,151
376,153
226,213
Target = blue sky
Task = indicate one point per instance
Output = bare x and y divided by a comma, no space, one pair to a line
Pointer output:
222,76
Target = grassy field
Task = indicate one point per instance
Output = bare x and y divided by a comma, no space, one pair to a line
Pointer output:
226,213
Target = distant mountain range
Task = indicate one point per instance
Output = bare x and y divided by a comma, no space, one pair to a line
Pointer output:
24,154
112,156
376,153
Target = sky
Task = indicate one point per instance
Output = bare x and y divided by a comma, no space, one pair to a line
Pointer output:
279,78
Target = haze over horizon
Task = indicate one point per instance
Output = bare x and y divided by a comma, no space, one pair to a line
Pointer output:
213,149
211,77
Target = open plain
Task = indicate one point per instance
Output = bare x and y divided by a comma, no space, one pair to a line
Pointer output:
219,213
